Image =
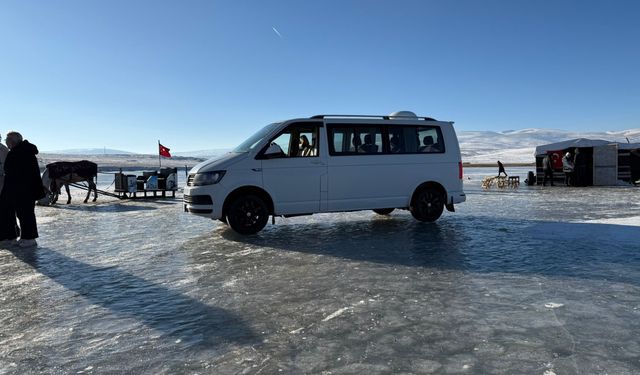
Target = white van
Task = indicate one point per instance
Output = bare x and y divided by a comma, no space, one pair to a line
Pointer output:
331,163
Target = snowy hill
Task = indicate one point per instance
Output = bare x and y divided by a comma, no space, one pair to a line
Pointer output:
90,151
517,146
477,147
204,154
511,146
113,162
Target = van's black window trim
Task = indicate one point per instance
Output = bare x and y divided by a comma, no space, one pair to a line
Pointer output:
386,149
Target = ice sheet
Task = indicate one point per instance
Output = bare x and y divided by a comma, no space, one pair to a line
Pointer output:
531,280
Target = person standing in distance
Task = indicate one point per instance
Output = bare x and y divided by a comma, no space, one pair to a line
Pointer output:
567,168
547,168
7,216
23,185
580,168
501,169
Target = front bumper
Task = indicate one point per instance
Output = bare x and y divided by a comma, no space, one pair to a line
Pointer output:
199,201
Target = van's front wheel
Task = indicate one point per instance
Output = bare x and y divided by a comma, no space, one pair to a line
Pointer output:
383,211
427,204
248,214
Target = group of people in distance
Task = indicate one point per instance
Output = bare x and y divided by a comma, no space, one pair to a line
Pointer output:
20,188
574,167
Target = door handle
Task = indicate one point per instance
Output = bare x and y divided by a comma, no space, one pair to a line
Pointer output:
317,162
256,169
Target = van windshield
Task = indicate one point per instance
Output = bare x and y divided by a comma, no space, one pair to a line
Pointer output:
256,139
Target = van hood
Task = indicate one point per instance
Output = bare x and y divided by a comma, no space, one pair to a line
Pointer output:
219,162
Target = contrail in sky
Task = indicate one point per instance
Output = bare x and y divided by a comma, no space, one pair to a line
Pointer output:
277,32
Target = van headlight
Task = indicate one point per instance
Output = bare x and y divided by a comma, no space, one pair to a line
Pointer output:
208,178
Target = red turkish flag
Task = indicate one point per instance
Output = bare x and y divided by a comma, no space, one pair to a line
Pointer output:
164,151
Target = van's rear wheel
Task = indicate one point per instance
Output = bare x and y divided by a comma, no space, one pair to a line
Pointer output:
248,214
427,204
383,211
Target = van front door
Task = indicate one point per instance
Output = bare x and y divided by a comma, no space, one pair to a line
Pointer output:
293,169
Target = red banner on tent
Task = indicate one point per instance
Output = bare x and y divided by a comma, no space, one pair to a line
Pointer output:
164,151
556,158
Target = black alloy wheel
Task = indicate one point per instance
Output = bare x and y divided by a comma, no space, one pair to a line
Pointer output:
427,204
248,214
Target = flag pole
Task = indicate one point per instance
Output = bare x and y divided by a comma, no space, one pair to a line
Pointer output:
159,157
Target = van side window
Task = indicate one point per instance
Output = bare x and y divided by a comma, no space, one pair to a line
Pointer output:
355,140
415,139
297,140
431,140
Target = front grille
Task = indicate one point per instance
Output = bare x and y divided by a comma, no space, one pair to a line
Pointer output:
198,199
190,179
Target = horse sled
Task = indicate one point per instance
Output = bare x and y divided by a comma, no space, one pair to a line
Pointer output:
83,175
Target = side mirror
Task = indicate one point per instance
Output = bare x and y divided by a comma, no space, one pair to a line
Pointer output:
273,151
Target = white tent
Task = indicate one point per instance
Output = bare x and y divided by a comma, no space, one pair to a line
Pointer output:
582,142
608,161
570,144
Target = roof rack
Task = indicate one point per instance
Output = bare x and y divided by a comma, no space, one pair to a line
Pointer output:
387,117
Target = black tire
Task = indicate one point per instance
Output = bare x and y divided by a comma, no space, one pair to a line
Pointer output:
383,211
248,214
427,204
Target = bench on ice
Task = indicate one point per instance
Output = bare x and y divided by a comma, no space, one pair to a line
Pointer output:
501,182
158,183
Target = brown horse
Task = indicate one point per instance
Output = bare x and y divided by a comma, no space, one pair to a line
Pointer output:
67,172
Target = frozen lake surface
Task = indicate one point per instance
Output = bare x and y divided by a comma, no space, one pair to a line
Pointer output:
534,280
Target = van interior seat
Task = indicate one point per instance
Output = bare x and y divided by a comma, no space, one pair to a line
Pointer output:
427,141
368,146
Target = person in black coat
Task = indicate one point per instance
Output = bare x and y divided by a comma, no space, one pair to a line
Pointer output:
7,216
580,169
501,169
23,185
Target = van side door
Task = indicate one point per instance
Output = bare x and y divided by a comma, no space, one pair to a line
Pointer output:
293,168
359,175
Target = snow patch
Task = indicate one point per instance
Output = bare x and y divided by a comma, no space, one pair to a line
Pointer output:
553,305
341,311
230,283
336,314
630,221
242,253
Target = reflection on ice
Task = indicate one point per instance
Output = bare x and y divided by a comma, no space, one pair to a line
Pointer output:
494,245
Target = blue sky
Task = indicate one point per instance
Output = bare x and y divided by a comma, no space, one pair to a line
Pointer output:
206,74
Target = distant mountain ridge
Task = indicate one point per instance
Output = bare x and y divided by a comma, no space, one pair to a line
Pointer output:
90,151
517,146
510,146
203,153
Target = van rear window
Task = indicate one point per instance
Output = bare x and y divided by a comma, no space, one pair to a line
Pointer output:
349,139
415,140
